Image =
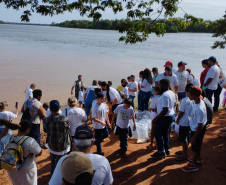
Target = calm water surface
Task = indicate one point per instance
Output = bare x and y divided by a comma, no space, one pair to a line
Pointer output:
53,57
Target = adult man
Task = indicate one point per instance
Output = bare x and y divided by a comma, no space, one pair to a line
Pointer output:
133,87
58,134
165,110
169,63
29,91
212,78
168,75
36,113
183,79
77,85
206,67
83,142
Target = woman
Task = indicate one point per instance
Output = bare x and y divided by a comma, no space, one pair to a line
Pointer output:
27,173
112,95
7,116
139,88
74,114
192,78
146,88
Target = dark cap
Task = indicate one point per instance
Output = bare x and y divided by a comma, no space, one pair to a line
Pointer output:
181,63
154,69
54,105
129,77
83,132
168,63
100,95
132,76
212,58
168,68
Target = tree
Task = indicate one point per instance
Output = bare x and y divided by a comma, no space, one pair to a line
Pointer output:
136,31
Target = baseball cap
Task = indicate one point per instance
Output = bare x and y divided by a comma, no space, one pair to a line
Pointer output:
54,105
75,164
100,95
132,76
196,91
168,68
168,63
154,69
181,63
212,58
83,132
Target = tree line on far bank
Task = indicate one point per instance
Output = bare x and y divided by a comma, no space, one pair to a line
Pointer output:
172,25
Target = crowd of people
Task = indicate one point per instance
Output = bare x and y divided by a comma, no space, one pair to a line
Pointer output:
93,111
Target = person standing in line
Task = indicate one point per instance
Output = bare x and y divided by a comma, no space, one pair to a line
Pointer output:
29,91
168,74
77,85
139,88
169,63
183,79
125,90
37,113
58,134
198,121
146,88
162,122
212,78
81,98
206,67
133,87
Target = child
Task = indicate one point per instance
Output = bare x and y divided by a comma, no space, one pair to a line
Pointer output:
99,117
183,121
198,121
125,88
46,107
153,109
81,98
124,113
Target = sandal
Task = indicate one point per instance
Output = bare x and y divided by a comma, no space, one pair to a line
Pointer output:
180,158
222,134
178,153
223,129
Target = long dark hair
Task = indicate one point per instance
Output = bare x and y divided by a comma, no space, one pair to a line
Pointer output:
22,127
105,84
147,75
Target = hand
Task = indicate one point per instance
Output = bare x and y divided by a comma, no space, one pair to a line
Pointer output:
134,127
103,123
177,122
193,140
109,125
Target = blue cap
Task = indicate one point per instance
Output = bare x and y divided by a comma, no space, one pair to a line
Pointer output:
54,105
100,95
212,58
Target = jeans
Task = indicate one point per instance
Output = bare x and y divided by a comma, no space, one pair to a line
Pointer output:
217,98
88,103
144,99
87,110
181,95
209,94
99,136
132,97
54,160
138,99
161,133
123,137
35,132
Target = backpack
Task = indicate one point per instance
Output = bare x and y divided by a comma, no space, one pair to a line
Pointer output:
26,115
12,157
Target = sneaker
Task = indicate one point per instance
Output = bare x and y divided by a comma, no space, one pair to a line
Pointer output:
199,160
45,145
167,153
190,168
159,155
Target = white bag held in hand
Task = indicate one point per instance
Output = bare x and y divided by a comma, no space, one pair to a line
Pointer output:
142,130
175,127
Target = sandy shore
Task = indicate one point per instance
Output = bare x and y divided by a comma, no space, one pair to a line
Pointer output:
139,168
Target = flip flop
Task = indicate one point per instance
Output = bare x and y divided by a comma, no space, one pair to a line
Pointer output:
223,129
180,158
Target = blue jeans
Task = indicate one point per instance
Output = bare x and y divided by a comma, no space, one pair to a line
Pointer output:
181,95
217,97
35,132
144,99
54,160
132,97
87,110
99,136
209,94
88,103
123,137
161,133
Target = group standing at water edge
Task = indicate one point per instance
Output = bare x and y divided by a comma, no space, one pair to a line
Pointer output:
175,96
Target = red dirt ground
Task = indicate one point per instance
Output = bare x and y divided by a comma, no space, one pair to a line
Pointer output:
140,168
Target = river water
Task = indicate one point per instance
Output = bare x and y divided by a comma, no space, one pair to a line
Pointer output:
53,57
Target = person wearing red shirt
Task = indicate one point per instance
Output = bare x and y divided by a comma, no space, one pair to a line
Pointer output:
204,72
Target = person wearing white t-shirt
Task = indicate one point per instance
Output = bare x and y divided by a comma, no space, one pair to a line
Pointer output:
162,122
124,113
125,90
146,87
139,88
198,121
81,98
29,91
183,120
83,142
183,79
169,63
133,88
99,118
6,116
170,76
212,78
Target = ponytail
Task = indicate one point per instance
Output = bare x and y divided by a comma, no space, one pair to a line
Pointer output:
104,84
22,127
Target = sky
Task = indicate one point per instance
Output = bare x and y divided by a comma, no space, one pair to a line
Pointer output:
206,9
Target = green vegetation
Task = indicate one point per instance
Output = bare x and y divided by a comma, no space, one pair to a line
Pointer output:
1,22
171,25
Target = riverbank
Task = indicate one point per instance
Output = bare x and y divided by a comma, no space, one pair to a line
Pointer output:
139,168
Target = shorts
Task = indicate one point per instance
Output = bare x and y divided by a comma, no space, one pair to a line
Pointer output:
198,144
184,133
